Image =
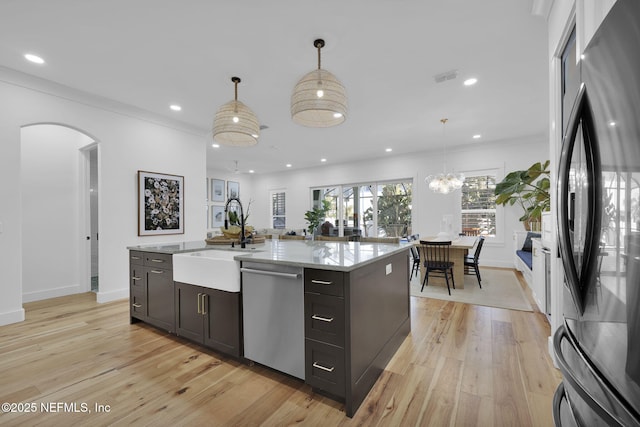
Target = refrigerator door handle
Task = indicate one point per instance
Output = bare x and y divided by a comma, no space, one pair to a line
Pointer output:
580,114
568,376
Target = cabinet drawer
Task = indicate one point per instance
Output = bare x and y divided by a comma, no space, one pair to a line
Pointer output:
324,318
137,277
136,257
158,260
324,282
325,367
138,304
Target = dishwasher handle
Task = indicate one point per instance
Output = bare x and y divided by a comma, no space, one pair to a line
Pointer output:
270,273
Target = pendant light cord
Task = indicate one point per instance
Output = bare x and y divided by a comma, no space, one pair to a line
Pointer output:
444,144
319,44
235,81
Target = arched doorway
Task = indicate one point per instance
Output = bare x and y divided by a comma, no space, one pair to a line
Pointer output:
58,172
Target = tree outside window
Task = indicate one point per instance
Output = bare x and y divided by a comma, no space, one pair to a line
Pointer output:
390,201
478,205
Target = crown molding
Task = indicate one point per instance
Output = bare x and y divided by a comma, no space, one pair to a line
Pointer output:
37,84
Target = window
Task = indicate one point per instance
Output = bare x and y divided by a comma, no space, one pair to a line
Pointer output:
376,209
278,209
478,205
394,209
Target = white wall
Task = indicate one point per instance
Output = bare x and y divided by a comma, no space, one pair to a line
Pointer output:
126,144
50,185
428,208
245,181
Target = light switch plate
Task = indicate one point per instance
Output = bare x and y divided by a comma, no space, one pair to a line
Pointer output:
1,228
389,268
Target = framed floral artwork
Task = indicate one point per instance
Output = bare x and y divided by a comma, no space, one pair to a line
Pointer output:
160,204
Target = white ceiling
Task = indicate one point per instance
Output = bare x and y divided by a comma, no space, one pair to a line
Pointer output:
151,53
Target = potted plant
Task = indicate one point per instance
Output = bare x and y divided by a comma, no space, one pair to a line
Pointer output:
529,189
316,215
234,228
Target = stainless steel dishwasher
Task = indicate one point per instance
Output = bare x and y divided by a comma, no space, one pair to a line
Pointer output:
273,316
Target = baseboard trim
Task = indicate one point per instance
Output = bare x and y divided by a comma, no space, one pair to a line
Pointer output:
12,317
51,293
102,297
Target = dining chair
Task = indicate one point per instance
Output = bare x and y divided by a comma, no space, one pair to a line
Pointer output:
471,261
471,231
415,255
290,237
379,240
333,238
436,258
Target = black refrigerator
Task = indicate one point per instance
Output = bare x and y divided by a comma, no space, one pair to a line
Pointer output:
598,346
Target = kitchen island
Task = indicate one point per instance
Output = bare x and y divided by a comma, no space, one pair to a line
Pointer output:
352,300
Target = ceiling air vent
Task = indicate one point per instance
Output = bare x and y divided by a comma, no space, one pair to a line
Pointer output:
447,75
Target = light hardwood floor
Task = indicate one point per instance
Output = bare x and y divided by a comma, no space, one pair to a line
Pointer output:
462,365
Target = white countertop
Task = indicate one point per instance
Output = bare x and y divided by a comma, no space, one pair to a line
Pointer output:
341,256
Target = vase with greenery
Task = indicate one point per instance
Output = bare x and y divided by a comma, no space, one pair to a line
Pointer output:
316,215
530,190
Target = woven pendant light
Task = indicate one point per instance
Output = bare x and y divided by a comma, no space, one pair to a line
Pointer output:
319,99
235,124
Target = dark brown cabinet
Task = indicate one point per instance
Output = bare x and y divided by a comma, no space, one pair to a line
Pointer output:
354,323
324,330
137,287
208,316
151,289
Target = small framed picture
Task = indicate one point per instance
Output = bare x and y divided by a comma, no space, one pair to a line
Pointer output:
233,189
160,204
217,216
217,190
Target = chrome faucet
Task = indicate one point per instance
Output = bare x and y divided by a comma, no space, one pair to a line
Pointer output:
243,239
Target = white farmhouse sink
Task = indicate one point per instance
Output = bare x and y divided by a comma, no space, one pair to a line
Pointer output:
215,269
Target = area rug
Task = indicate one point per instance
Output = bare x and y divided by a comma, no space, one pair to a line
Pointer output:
500,288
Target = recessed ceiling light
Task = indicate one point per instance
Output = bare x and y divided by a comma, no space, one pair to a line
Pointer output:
612,123
323,160
471,81
388,150
288,165
251,171
215,145
175,107
34,58
477,136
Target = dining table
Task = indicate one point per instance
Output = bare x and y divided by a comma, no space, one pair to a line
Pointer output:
460,246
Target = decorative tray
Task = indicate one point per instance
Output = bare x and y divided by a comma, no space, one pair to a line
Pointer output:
222,240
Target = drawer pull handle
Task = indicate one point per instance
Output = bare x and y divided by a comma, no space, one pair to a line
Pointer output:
156,260
135,257
157,271
137,305
323,319
199,303
136,278
204,303
321,282
324,368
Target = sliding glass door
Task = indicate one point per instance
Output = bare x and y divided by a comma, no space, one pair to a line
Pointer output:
371,210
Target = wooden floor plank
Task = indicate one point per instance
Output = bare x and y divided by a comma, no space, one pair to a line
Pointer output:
461,365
